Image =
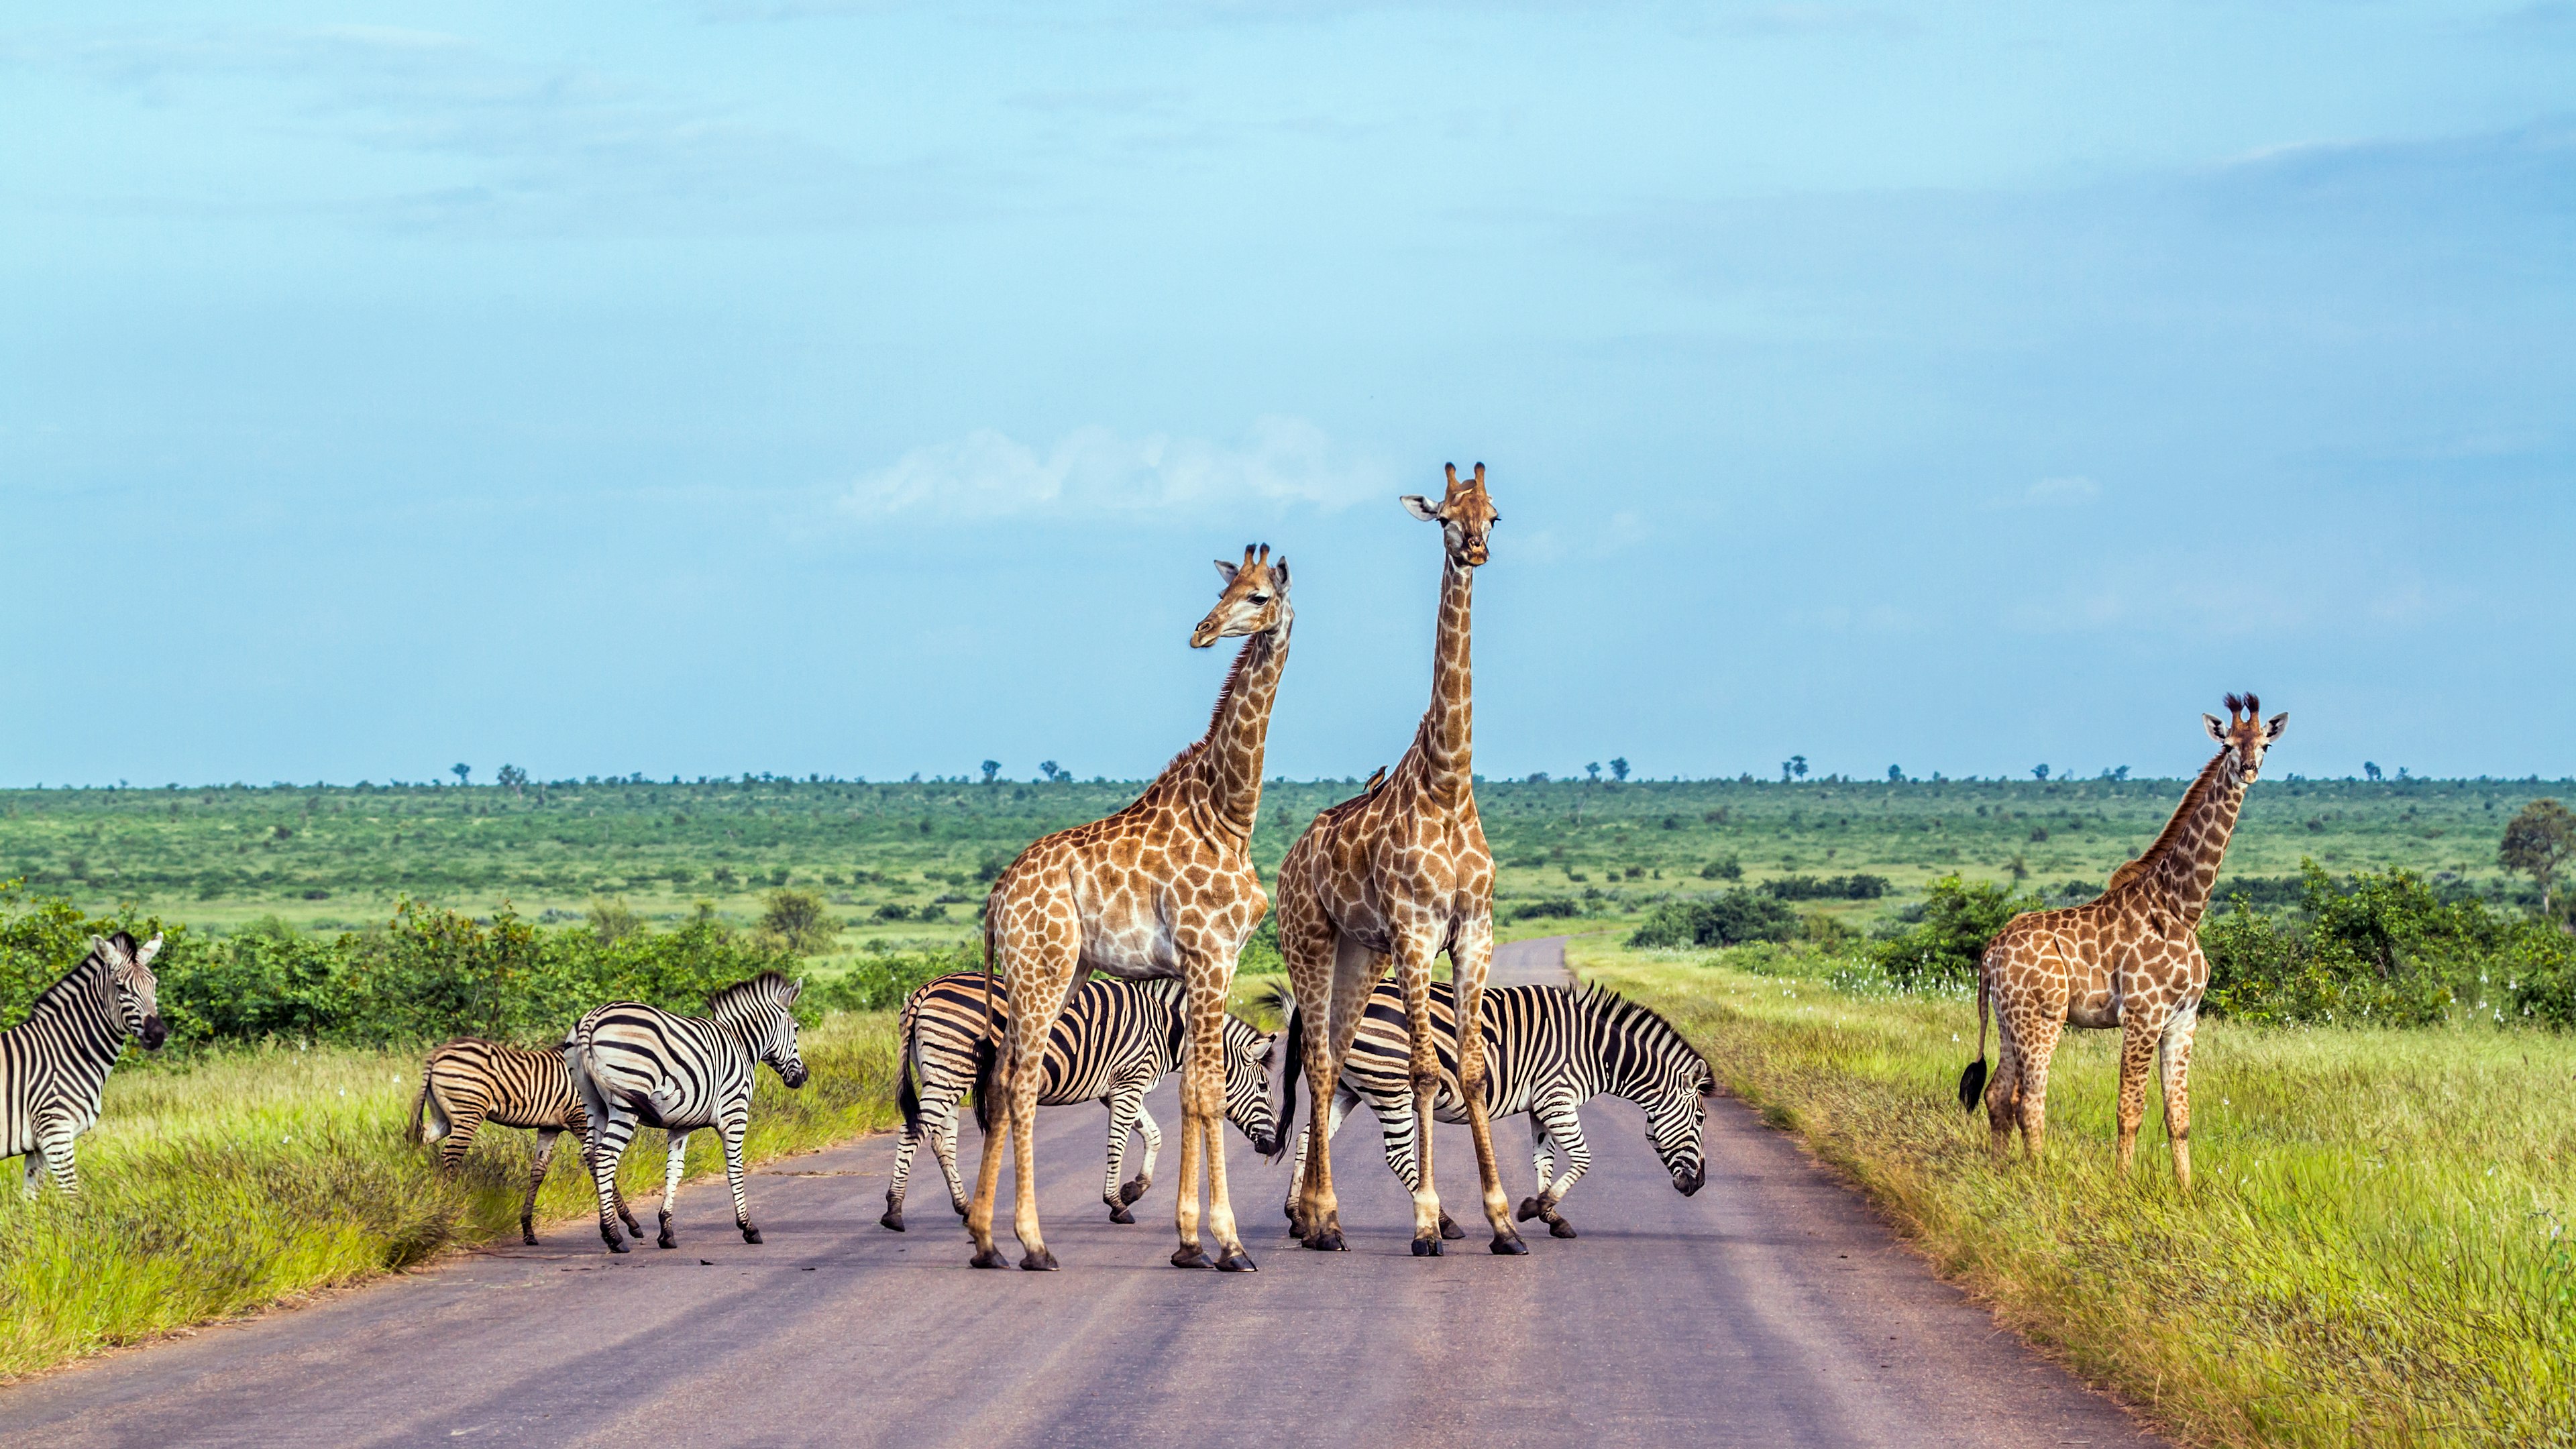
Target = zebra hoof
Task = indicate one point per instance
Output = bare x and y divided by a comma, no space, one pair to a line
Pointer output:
750,1234
1189,1258
666,1240
1527,1210
989,1258
1328,1241
1040,1261
615,1246
1427,1247
1119,1214
1509,1245
1133,1188
1560,1228
1450,1230
893,1220
1236,1263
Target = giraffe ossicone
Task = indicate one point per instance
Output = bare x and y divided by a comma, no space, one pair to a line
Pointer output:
2130,959
1163,888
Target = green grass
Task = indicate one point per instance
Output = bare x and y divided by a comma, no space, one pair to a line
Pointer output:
234,1180
2377,1249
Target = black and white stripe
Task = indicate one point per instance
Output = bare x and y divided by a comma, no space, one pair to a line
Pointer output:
469,1082
54,1065
634,1066
1113,1042
1547,1052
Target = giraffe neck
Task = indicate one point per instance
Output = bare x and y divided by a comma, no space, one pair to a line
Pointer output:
1449,725
1230,765
2182,865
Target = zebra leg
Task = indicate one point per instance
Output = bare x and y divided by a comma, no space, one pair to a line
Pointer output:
54,1139
585,1137
1125,1104
943,1145
1470,959
903,1150
35,1171
1542,1161
1135,1187
461,1127
731,1129
1564,1127
675,1160
609,1133
537,1178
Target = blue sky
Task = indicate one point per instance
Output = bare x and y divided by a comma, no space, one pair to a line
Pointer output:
863,388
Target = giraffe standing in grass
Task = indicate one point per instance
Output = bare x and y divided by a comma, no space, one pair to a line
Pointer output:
1401,874
2130,959
1164,887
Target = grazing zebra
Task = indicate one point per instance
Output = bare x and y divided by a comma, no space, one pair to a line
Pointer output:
635,1065
54,1064
1115,1040
469,1082
1547,1051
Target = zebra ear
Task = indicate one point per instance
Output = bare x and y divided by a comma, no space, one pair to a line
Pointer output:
795,989
116,950
150,949
1269,1050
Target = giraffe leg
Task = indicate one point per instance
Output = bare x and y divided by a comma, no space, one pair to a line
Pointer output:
2140,1029
675,1161
1413,974
1028,1070
2003,1089
1343,1101
979,1208
536,1179
2033,1088
2173,1051
1345,994
1469,960
1311,950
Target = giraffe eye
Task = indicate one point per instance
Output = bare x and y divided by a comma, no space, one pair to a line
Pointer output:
1261,598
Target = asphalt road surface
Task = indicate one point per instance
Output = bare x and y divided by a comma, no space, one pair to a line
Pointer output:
1771,1309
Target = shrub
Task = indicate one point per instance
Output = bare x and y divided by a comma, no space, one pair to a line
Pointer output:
1731,919
798,922
1942,944
1538,910
2380,947
1830,888
1724,867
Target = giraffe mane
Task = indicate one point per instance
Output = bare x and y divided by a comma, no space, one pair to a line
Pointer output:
2192,800
1188,758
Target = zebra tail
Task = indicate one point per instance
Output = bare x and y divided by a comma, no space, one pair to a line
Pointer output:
1295,1035
1972,1082
908,1098
420,1109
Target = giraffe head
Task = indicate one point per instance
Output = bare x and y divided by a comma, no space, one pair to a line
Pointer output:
1465,514
2246,733
1255,600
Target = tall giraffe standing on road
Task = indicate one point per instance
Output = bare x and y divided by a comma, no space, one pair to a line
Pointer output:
1402,872
1164,887
2130,959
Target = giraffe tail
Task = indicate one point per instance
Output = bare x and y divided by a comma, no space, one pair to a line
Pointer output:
1972,1082
987,1055
1294,1033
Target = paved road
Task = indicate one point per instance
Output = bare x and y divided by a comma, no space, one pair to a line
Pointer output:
1768,1310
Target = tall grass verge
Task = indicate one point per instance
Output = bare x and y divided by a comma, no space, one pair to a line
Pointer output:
233,1179
2377,1250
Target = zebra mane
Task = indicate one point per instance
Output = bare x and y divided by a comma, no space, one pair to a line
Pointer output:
768,986
92,968
1621,1013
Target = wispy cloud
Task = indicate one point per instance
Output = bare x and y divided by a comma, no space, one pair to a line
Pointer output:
2064,492
986,474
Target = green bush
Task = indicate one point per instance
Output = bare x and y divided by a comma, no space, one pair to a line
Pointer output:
1941,944
1857,887
883,976
1730,919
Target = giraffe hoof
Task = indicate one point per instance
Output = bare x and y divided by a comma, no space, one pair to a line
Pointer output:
1328,1241
893,1220
1038,1261
1133,1189
1189,1258
1119,1214
1526,1211
1556,1228
1236,1263
989,1258
1509,1245
1427,1247
750,1234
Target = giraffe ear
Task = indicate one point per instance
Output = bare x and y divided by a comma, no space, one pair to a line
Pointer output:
1420,507
2272,728
1279,574
2217,731
1225,571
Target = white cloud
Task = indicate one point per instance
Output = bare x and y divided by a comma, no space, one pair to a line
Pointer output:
2066,492
987,474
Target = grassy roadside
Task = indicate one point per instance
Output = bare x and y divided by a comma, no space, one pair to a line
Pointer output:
219,1185
2378,1249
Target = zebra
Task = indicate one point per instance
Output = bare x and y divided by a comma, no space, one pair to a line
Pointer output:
1548,1050
469,1081
636,1065
1114,1041
53,1065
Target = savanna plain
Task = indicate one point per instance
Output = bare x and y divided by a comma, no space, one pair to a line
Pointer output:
2375,1249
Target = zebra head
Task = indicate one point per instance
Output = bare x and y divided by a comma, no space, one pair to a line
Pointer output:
1661,1072
756,1011
1247,1083
129,967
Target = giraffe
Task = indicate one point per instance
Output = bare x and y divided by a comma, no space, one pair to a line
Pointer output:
2130,959
1401,873
1164,887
